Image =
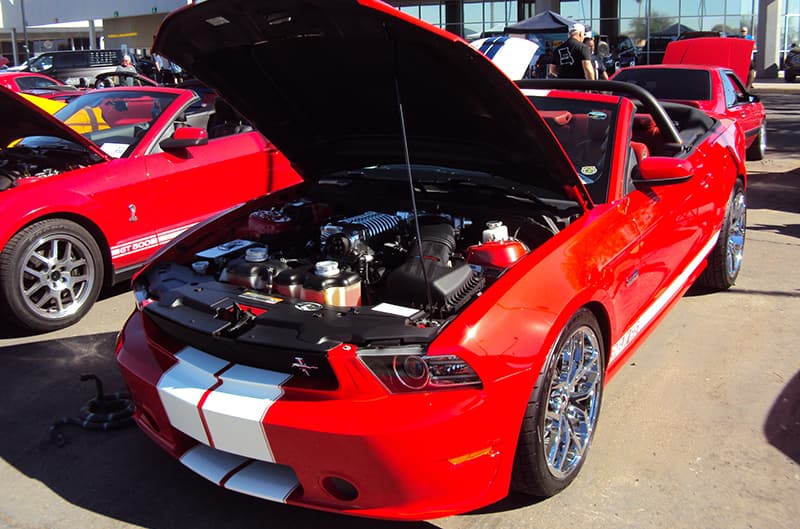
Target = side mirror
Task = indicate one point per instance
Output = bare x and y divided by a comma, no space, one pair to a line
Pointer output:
661,170
753,98
185,137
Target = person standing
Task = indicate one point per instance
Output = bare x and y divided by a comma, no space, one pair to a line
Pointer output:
597,63
126,67
572,59
751,74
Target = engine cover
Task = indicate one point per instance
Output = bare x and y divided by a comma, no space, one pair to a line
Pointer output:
350,238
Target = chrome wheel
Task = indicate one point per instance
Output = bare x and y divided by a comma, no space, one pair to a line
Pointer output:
736,235
58,271
573,402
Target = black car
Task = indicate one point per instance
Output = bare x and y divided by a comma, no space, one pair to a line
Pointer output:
619,52
791,65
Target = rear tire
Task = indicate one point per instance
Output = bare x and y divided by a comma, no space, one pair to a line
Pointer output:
725,259
50,275
561,416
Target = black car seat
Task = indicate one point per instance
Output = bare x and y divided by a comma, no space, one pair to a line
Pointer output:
225,120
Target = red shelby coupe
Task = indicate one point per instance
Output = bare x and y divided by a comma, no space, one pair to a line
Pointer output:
707,73
39,85
87,197
427,321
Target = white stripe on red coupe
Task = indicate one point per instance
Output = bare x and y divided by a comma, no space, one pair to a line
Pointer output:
256,478
221,404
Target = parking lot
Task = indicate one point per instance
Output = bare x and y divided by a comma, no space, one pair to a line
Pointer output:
701,429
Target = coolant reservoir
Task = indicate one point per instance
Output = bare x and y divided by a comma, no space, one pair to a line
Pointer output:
324,282
496,254
330,286
495,231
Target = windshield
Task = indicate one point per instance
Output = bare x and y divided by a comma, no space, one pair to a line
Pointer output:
585,131
115,120
670,83
41,63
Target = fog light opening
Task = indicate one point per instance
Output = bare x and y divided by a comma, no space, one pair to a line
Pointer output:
339,488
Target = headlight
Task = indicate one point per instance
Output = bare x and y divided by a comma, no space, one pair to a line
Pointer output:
406,369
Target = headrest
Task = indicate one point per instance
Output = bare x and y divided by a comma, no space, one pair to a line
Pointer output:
556,117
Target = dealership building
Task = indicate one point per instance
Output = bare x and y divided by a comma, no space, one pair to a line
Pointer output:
47,25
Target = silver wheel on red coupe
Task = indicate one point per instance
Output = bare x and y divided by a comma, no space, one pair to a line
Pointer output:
51,273
561,417
573,402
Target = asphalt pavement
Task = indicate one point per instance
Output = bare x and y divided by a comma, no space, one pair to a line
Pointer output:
700,430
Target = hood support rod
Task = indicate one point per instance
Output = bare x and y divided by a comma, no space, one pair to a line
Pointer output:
407,158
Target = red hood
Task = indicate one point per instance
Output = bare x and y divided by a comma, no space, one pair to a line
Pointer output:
733,53
21,119
321,80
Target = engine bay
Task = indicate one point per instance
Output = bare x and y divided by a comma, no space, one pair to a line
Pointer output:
315,268
44,157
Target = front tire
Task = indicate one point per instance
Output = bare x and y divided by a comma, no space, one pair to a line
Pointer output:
561,416
758,149
50,275
725,259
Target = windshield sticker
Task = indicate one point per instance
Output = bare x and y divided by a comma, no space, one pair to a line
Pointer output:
114,149
596,114
588,174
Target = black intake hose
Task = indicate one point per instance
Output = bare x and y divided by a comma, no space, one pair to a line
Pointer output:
450,286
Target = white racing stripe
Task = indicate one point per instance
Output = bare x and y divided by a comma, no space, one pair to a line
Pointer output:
234,412
661,301
148,242
264,480
182,387
222,405
256,478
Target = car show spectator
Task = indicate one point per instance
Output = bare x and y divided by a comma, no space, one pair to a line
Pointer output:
126,67
751,75
167,72
597,63
573,59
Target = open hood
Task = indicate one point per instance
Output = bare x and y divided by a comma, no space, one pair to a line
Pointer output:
513,55
21,119
733,53
323,79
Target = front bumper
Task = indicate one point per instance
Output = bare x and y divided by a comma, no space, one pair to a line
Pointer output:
411,456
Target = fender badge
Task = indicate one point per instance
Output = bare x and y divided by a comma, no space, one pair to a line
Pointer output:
300,364
308,306
596,114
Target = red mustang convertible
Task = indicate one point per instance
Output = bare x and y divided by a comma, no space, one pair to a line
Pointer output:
428,321
88,197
